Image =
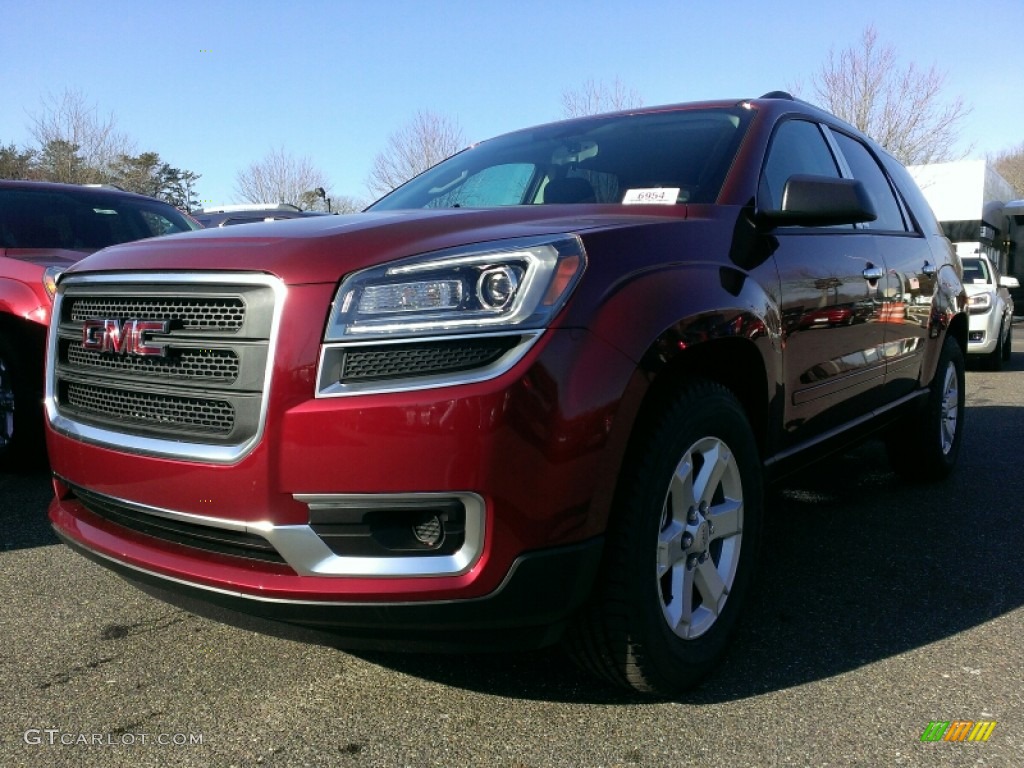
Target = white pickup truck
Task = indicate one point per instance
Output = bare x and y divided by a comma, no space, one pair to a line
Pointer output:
990,306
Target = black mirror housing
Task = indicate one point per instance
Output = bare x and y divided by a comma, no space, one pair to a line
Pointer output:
821,201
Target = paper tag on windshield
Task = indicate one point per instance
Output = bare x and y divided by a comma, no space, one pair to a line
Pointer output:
655,196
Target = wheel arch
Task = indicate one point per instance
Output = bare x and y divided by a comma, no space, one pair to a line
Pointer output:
27,337
737,364
958,330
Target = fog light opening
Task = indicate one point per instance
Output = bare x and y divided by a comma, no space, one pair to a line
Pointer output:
430,533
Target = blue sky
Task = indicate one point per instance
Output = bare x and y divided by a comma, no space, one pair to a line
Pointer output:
215,86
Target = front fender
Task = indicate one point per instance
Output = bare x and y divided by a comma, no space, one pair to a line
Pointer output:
31,303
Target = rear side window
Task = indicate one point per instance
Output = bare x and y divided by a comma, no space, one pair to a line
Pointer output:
798,147
866,170
920,212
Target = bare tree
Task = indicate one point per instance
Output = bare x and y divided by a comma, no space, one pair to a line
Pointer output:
594,98
346,204
79,144
319,200
282,178
1010,165
902,108
422,143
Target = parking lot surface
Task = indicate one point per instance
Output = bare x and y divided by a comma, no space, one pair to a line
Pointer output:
880,608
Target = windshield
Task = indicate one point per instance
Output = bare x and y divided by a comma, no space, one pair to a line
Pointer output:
976,271
82,220
675,156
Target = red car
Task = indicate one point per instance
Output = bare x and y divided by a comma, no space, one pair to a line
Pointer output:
45,228
531,395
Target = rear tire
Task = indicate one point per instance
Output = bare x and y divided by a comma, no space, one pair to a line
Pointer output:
680,550
924,446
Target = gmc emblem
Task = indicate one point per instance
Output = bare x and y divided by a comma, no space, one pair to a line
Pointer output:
129,338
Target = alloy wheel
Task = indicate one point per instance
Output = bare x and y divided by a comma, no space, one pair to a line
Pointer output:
700,538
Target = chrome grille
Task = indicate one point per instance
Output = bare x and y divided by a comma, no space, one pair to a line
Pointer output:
219,365
191,314
203,397
179,413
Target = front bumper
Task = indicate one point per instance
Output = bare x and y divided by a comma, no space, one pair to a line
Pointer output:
529,609
983,333
531,455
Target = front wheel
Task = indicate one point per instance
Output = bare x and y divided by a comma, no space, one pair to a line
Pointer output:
681,548
1008,344
994,359
21,427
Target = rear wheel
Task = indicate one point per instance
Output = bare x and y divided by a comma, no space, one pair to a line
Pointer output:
924,446
680,550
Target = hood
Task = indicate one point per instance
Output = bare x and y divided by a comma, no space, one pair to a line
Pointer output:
973,289
322,248
46,257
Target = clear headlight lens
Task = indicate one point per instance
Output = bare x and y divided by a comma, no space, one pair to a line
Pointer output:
980,302
50,280
520,283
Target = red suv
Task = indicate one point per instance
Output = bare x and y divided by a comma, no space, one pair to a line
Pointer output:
531,395
44,228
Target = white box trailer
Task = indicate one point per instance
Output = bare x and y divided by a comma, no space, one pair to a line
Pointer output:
1014,211
970,200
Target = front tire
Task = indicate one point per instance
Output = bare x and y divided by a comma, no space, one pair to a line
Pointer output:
994,359
681,548
21,421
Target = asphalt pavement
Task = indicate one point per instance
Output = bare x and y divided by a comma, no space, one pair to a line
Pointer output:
880,607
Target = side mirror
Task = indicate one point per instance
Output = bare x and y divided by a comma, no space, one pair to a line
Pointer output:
821,201
1009,282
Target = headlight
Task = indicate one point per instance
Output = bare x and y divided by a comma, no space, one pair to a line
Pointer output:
978,303
510,284
50,280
